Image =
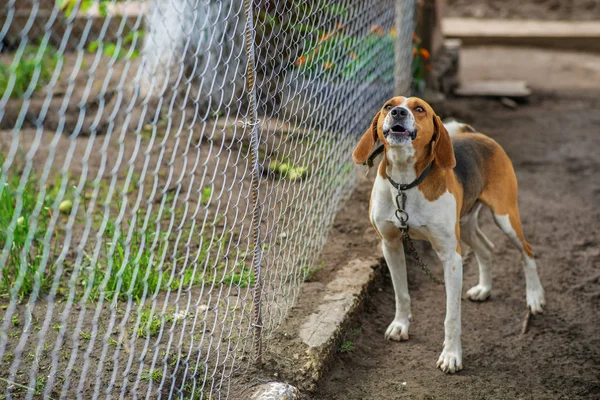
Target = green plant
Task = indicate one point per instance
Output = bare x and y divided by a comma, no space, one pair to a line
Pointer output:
346,347
15,320
334,53
68,6
154,376
243,278
85,335
150,324
206,194
420,64
40,384
287,170
29,72
126,48
308,273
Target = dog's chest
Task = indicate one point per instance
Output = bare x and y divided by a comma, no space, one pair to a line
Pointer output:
423,215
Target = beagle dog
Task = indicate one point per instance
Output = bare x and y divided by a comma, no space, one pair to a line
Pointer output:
458,171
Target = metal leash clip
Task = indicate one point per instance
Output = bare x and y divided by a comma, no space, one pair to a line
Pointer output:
400,213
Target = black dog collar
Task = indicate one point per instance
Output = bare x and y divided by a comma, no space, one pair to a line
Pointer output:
405,186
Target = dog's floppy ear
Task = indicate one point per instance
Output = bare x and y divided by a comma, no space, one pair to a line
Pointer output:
367,143
443,153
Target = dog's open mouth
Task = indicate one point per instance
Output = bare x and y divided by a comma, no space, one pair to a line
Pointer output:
401,132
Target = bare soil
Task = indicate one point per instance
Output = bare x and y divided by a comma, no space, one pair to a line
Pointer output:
530,9
554,145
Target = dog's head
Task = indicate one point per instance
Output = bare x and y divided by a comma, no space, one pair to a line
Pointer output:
408,122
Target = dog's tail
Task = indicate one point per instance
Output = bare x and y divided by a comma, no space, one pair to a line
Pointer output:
454,127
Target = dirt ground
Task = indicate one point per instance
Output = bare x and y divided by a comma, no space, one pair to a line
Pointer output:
529,9
554,145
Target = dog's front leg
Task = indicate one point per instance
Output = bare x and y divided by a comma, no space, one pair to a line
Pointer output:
450,360
393,252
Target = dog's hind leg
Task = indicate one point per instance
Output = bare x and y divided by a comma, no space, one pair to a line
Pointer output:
510,223
482,247
500,195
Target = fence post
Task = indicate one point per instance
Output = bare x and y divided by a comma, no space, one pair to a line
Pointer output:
252,123
402,48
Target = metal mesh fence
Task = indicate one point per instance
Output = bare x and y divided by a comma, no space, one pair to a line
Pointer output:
170,170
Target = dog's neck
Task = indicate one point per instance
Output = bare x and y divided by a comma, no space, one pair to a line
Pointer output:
400,165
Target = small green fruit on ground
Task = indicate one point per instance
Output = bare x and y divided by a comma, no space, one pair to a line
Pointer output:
65,206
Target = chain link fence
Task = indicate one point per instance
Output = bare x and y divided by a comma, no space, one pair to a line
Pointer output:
170,171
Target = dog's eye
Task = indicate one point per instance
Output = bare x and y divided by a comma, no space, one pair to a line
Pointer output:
388,107
419,109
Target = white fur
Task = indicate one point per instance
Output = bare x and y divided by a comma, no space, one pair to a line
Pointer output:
453,127
433,221
534,289
482,247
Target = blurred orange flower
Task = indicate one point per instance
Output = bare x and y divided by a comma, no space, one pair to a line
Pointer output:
428,67
393,32
326,36
425,54
414,52
353,56
327,65
377,29
340,27
301,61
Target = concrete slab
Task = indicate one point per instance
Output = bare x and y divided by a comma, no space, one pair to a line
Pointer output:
340,298
322,331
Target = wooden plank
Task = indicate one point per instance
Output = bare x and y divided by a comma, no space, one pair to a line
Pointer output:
494,89
573,35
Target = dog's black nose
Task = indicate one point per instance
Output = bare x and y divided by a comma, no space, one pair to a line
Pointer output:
399,113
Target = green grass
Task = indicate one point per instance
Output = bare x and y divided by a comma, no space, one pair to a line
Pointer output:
26,239
129,47
243,278
136,259
30,72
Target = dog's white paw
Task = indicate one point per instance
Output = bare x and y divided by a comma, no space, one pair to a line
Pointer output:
397,331
479,293
450,361
535,299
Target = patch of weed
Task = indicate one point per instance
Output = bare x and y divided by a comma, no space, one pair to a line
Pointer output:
154,376
243,278
206,194
129,47
346,347
308,273
149,324
30,72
